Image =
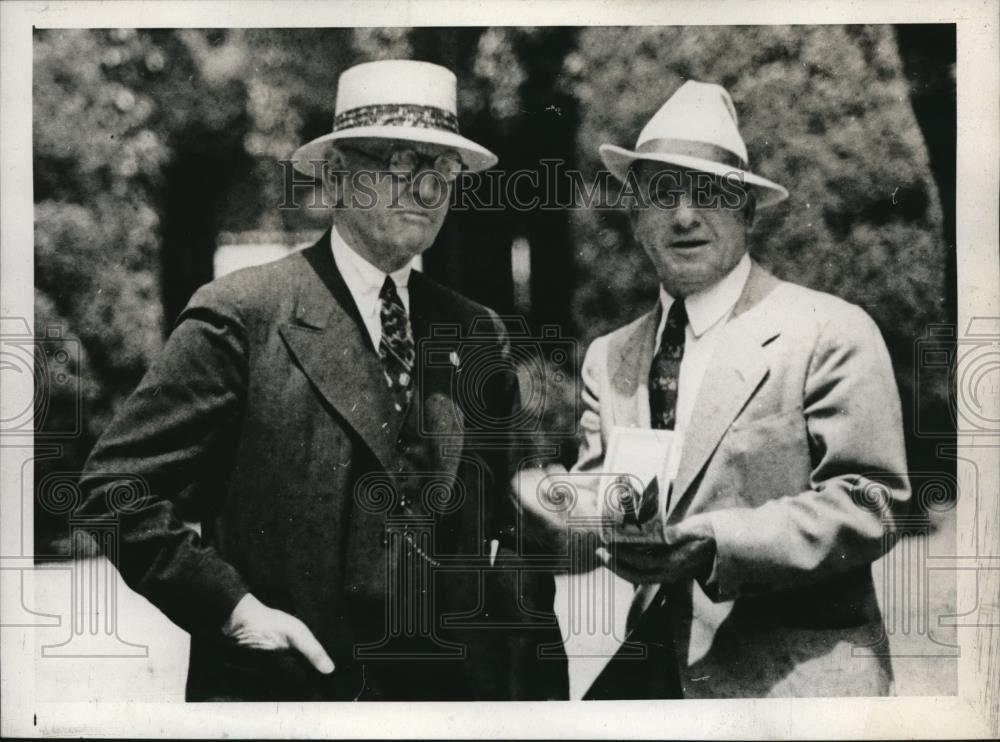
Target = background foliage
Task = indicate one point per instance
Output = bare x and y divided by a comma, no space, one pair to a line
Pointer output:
147,144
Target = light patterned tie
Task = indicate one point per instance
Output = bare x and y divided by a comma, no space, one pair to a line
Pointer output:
396,347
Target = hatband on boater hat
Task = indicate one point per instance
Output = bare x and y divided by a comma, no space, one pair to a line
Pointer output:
695,129
396,99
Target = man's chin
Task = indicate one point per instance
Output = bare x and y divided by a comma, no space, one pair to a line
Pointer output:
682,283
412,245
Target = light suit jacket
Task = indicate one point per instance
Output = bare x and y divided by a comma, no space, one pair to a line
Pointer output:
794,459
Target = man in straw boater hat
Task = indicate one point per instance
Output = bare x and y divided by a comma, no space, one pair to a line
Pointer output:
354,541
751,552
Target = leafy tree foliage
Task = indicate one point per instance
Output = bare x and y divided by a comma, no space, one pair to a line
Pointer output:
826,112
148,143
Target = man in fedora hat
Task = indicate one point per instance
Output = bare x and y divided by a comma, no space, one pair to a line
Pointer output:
354,541
752,550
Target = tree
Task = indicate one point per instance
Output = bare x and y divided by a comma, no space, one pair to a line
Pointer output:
107,108
826,111
149,143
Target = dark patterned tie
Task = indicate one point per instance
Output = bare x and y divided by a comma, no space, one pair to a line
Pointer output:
664,375
396,346
665,371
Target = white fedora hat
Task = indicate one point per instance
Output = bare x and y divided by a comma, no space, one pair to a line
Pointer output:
696,129
396,99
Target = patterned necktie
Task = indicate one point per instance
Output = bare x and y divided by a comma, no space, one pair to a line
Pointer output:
664,376
664,373
648,621
396,346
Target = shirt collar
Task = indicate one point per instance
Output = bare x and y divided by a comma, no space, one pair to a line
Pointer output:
706,308
362,278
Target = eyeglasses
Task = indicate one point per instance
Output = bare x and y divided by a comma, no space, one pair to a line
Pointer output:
701,190
406,162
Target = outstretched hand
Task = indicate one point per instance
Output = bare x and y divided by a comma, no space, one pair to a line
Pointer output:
545,498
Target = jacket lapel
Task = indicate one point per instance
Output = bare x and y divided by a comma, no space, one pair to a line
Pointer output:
328,339
733,375
630,357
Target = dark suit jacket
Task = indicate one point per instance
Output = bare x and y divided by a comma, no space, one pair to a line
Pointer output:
266,420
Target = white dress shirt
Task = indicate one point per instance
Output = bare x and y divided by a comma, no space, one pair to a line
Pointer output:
707,312
612,595
364,281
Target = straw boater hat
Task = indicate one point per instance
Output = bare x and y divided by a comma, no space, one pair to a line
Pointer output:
396,99
696,128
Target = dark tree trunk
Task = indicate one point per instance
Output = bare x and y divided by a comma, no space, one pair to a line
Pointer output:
205,165
928,55
472,252
547,130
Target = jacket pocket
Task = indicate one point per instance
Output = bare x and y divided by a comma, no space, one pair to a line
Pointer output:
267,675
768,457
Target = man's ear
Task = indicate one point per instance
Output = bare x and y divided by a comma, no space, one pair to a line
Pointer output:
334,166
750,210
334,170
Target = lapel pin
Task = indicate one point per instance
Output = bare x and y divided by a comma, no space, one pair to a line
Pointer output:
453,357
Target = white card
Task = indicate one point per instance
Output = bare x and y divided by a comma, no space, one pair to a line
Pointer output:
592,607
638,452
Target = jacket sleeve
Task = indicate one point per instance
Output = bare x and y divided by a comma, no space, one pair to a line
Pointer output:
858,483
167,434
505,398
590,457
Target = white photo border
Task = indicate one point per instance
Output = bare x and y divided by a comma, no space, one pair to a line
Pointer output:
972,713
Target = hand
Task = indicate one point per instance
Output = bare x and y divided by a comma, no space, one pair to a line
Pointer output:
255,626
681,555
545,498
